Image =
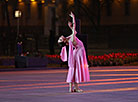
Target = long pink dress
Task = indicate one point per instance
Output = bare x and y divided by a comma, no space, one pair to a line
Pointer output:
77,62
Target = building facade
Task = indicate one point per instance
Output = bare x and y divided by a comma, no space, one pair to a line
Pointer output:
106,22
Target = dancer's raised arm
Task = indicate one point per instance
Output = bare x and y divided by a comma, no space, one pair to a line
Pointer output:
73,21
72,26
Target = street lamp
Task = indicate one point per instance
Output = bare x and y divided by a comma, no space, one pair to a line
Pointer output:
18,14
19,44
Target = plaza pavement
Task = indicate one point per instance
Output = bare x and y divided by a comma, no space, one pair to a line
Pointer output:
108,84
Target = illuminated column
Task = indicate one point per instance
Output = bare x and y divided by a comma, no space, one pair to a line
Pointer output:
57,27
2,14
127,7
47,20
109,7
50,19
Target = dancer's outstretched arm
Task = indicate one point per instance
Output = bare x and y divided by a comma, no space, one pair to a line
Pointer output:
73,21
72,27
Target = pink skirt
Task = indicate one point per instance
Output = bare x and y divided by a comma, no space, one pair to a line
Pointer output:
79,72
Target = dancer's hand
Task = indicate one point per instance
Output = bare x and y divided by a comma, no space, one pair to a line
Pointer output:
71,14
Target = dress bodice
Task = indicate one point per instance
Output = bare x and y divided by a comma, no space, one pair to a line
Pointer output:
78,43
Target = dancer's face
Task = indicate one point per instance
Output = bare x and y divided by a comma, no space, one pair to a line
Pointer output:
61,39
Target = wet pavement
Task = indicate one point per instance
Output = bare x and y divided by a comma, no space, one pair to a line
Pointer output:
108,84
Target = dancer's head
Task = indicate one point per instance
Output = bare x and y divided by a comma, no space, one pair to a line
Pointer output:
62,41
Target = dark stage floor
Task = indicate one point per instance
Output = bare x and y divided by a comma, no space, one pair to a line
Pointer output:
108,84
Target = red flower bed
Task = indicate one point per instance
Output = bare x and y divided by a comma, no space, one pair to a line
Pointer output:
53,59
111,59
53,56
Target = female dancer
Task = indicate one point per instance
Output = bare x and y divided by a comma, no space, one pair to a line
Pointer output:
77,61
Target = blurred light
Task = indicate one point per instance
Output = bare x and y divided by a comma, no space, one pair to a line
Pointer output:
42,1
85,1
21,3
70,2
33,3
19,0
119,1
18,13
53,1
7,0
100,0
32,0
